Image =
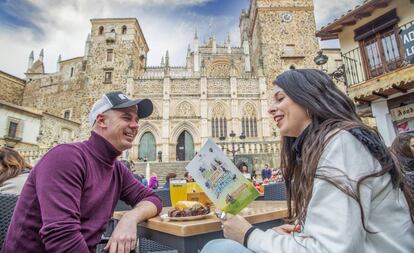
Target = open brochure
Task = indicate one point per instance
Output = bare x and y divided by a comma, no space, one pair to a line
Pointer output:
219,178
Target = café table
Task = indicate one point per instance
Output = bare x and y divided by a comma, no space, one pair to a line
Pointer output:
191,236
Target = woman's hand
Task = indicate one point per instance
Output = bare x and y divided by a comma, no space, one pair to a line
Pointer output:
235,227
287,229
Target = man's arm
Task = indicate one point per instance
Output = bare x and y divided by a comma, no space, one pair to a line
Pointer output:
59,182
124,237
147,204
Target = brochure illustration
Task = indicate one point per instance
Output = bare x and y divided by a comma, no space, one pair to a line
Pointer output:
219,178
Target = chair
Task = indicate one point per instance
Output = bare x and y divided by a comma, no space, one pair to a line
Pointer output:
7,205
164,195
150,246
276,191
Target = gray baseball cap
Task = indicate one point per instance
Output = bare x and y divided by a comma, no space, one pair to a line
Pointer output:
118,100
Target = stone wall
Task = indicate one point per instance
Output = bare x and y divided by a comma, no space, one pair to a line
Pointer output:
55,130
12,88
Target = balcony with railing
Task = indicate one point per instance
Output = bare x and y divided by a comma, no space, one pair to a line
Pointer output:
377,65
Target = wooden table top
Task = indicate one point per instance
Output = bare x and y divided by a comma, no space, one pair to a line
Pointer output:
256,212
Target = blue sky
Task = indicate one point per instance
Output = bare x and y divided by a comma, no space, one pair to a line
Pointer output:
61,26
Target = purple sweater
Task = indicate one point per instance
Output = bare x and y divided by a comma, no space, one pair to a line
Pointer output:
70,196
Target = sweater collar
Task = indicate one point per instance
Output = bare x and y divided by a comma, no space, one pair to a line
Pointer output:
102,148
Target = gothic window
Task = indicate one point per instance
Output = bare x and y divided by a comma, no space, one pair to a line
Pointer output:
72,70
124,29
108,77
218,122
66,114
110,55
219,127
249,121
101,29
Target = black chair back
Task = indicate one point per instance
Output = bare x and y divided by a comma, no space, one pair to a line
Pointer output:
7,205
164,195
276,191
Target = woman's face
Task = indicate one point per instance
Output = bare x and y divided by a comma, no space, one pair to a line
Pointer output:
290,118
412,145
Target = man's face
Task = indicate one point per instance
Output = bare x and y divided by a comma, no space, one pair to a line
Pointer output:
120,127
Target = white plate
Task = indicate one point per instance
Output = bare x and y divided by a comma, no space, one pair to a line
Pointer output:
165,217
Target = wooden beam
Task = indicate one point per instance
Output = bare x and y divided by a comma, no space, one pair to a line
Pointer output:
338,30
352,22
360,100
379,94
380,5
362,15
395,87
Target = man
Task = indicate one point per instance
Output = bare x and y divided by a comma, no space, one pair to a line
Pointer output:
266,172
71,193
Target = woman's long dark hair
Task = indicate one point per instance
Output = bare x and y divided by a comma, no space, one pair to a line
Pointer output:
330,110
401,145
12,164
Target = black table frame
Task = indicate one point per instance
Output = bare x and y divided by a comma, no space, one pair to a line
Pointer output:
193,244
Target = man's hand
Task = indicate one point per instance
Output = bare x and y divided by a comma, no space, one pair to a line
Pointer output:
124,237
235,227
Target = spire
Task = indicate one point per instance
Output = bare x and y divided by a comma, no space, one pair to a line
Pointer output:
228,43
214,45
58,63
188,50
41,55
195,34
167,59
162,61
31,59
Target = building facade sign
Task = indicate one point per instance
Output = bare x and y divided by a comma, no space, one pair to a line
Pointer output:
403,112
407,36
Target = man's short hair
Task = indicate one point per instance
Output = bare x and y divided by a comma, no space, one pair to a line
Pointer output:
118,100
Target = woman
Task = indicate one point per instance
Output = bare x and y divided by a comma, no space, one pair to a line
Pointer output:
403,148
153,182
345,193
167,179
13,171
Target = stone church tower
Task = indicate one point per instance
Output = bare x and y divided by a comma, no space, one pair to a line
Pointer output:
279,35
115,53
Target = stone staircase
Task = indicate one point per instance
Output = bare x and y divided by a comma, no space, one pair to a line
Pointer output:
162,169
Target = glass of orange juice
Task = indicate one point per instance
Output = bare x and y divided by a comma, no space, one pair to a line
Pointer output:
178,190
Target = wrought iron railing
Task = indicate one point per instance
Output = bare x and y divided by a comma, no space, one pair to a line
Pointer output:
354,65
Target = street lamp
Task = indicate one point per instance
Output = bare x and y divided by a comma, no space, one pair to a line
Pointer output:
233,149
338,74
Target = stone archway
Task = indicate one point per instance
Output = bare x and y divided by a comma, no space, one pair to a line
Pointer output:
185,147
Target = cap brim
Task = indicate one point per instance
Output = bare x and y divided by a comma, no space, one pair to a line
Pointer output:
145,107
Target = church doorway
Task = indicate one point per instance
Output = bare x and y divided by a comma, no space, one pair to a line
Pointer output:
185,147
147,147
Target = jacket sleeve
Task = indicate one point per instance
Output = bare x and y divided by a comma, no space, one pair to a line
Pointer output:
133,192
59,182
333,221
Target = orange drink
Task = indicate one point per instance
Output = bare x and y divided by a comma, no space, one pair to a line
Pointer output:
178,190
